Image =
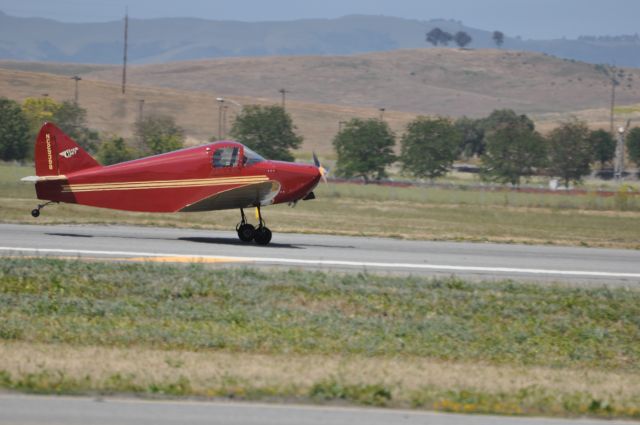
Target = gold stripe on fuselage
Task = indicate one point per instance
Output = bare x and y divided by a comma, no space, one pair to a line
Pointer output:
162,184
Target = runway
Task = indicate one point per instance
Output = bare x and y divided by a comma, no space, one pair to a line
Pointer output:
51,410
325,252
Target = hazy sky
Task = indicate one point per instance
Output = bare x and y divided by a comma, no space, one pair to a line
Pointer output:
528,18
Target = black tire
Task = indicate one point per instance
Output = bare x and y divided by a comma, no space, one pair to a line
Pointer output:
246,232
263,236
35,213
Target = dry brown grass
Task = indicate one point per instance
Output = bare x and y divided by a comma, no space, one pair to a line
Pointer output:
329,89
111,112
210,368
430,81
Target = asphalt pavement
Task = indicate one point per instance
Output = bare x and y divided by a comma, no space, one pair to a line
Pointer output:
326,252
52,410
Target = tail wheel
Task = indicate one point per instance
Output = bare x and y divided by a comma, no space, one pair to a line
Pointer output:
263,236
35,213
246,232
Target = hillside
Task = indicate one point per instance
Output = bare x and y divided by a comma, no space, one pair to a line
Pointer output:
111,112
450,82
176,39
327,90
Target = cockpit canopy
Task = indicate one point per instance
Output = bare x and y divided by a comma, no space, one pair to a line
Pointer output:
232,155
251,157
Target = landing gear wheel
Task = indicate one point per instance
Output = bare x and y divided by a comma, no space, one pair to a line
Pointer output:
246,232
263,236
36,212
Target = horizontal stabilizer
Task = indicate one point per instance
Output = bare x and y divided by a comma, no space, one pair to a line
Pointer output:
35,179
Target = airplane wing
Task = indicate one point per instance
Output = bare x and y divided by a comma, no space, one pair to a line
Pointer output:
250,195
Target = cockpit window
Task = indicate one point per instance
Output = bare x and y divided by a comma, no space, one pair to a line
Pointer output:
226,157
250,157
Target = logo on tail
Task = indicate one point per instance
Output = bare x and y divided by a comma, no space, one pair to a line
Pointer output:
68,153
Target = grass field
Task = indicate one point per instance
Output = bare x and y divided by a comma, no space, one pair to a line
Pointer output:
512,348
410,213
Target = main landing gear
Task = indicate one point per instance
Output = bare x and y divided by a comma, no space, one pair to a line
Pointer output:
248,233
36,212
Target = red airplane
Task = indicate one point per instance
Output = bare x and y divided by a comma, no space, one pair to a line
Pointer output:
215,176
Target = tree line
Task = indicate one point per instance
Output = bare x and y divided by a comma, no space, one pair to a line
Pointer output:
438,36
267,129
508,146
20,123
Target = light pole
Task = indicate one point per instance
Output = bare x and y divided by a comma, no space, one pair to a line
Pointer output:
75,97
224,120
222,114
618,172
220,101
382,113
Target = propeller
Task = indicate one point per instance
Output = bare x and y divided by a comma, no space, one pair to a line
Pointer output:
323,171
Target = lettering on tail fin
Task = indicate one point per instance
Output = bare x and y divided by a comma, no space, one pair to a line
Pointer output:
49,152
69,153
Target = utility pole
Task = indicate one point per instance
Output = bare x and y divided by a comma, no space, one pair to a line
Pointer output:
614,83
75,97
284,93
126,45
382,113
618,172
140,109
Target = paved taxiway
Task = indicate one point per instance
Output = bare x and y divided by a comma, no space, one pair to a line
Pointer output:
476,260
20,409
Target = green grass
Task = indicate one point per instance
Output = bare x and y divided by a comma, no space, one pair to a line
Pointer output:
627,109
318,313
310,321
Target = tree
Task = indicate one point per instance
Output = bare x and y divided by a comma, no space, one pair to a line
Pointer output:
462,39
603,146
365,149
472,141
67,115
498,38
633,145
72,119
39,110
513,148
14,131
268,130
437,36
429,147
501,116
115,150
570,151
158,134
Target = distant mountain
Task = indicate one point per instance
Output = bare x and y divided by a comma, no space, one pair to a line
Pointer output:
176,39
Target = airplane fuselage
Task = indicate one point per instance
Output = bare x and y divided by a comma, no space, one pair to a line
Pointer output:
174,181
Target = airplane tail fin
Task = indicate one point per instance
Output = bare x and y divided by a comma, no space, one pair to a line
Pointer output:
57,154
